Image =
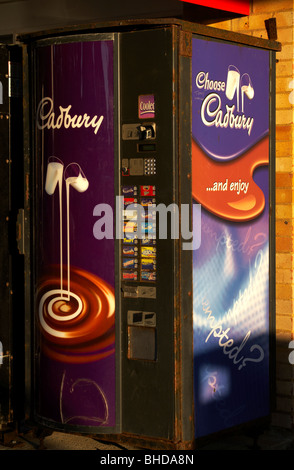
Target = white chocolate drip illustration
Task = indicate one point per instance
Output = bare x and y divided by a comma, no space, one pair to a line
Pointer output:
80,184
233,84
59,297
54,178
246,88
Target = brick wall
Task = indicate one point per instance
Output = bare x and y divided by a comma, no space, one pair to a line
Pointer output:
254,24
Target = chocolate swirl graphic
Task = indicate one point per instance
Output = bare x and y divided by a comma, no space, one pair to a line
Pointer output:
76,327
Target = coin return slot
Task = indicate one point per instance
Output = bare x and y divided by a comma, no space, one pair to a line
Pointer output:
141,343
139,291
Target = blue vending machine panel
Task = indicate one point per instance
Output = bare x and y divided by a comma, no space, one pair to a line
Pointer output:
230,172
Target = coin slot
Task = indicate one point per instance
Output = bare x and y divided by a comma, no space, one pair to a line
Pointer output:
146,319
138,317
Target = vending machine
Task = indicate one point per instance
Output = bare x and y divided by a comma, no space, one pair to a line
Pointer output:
151,257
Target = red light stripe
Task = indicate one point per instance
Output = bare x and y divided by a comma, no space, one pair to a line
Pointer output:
235,6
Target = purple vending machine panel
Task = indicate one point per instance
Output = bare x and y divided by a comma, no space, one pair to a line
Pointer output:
230,158
74,272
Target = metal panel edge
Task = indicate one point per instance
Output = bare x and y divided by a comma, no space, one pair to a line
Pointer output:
186,289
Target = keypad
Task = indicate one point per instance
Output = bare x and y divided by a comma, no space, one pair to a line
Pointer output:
150,166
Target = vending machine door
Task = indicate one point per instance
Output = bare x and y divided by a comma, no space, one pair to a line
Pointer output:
74,271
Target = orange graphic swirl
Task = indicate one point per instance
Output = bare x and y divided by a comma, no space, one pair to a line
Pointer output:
215,185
